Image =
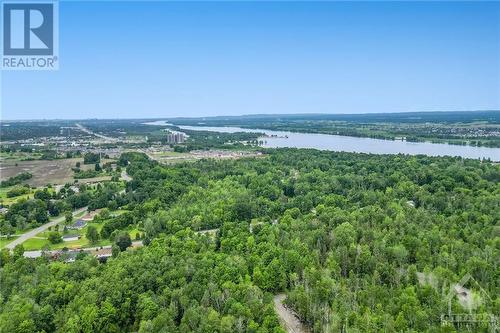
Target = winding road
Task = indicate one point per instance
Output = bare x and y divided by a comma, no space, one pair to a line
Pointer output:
32,233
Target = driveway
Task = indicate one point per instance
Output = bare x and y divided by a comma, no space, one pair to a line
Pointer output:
38,253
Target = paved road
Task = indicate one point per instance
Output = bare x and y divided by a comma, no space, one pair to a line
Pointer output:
288,318
38,253
137,243
38,230
86,130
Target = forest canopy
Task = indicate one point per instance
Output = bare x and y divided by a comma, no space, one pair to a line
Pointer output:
358,242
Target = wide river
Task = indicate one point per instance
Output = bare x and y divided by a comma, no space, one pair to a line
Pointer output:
280,139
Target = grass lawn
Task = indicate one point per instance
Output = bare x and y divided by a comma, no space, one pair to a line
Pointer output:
9,201
132,232
35,244
40,240
18,156
79,215
118,212
4,241
82,242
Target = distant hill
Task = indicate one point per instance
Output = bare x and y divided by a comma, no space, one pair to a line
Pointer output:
490,116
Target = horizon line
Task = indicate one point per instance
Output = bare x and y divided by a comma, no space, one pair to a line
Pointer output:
253,114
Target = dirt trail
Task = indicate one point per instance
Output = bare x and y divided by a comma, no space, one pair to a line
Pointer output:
124,176
288,318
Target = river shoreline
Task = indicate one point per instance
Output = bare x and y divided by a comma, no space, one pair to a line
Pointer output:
286,139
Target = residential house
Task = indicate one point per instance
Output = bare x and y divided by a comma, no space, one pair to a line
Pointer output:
70,238
79,224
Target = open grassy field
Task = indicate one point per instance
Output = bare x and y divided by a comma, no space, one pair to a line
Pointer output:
35,244
4,200
171,157
18,156
45,171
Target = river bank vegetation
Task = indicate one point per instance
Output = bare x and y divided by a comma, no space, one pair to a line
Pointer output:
475,128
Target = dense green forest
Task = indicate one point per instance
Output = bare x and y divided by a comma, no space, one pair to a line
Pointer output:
360,243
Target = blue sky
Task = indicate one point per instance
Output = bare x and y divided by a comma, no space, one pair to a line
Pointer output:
164,59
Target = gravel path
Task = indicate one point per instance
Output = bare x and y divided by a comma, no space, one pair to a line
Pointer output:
288,318
124,176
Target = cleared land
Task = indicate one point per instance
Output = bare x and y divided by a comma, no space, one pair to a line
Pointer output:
46,171
175,157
